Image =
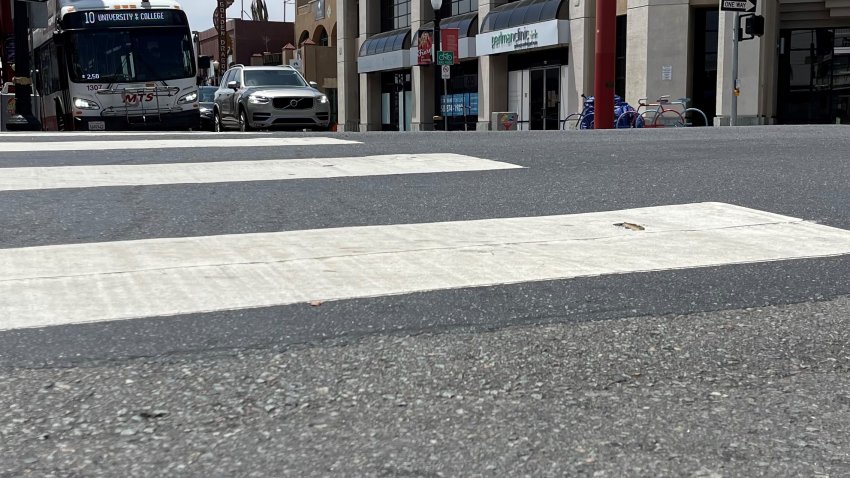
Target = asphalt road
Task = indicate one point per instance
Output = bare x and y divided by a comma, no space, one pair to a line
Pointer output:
736,370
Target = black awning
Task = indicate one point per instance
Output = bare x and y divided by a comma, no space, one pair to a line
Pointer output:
524,12
386,42
466,23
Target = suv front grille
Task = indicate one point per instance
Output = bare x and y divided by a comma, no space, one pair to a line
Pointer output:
293,103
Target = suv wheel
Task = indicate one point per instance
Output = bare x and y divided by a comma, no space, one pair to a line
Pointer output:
217,127
243,122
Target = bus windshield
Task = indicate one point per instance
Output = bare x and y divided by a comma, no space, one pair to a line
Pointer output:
131,55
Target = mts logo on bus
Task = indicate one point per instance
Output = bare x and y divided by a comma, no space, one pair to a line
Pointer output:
134,98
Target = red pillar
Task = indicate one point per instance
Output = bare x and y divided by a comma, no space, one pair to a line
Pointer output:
606,44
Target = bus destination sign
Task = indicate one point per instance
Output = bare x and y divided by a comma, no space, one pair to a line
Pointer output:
106,19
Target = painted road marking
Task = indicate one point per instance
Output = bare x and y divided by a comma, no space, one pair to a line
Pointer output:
69,284
17,147
93,134
18,179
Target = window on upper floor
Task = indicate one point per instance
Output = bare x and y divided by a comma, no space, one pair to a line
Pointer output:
395,14
459,7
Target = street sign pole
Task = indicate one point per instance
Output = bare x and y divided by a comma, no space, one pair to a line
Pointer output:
445,98
736,6
733,113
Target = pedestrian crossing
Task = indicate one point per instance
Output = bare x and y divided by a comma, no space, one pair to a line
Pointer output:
148,143
66,284
19,179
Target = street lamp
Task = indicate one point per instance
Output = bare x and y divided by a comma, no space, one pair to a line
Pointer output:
436,5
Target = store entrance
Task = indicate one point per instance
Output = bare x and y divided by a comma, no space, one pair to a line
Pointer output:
544,98
814,76
396,101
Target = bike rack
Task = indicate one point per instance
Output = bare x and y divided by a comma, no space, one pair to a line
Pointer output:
142,112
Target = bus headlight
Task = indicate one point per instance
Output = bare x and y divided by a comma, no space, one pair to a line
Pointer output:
258,100
189,98
84,104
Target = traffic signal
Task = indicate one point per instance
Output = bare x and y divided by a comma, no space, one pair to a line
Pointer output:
754,25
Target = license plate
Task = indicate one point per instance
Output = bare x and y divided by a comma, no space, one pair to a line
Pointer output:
97,126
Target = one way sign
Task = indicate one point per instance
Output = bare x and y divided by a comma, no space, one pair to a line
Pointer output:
738,5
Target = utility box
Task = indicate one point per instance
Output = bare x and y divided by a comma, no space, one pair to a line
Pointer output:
503,121
7,109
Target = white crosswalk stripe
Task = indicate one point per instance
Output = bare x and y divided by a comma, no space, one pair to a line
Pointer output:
19,179
123,280
86,134
146,143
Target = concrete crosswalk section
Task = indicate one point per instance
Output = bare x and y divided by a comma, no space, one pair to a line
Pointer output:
106,281
69,284
20,179
147,143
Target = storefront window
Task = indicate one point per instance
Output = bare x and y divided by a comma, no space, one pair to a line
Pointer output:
620,66
396,101
814,72
459,103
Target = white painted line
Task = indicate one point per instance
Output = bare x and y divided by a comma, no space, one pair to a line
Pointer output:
19,179
71,284
17,147
97,134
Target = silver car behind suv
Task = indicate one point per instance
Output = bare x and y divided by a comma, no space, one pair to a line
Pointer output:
265,97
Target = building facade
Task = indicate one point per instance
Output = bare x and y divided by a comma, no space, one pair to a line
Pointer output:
315,25
536,58
247,38
7,41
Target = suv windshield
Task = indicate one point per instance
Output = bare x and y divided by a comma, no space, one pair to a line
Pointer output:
131,55
273,78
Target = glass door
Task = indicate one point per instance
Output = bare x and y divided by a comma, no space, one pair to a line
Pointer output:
544,98
814,75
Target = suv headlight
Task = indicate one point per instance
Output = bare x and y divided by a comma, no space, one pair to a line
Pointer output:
188,98
258,100
323,99
84,104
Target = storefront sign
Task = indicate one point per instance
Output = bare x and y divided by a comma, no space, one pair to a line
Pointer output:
449,42
525,37
460,104
424,44
220,23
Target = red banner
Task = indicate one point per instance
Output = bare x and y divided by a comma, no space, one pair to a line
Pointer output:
449,41
424,44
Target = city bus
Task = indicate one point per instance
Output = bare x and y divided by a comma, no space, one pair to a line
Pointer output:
115,65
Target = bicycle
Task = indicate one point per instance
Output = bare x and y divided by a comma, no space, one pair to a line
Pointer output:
583,120
665,117
691,114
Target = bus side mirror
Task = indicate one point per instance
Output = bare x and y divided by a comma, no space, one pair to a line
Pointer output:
233,85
